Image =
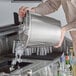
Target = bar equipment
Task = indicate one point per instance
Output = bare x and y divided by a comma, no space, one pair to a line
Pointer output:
39,30
39,34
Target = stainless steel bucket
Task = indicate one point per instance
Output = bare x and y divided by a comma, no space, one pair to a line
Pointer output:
40,30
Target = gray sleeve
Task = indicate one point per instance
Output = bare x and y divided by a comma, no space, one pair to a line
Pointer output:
48,7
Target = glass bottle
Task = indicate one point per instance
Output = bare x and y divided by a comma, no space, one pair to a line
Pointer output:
68,66
67,61
61,71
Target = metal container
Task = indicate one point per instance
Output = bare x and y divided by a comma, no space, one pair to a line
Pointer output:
7,35
3,45
40,30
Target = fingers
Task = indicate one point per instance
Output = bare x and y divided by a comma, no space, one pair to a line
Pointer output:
57,46
63,30
22,11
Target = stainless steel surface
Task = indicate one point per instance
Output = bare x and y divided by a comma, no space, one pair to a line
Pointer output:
4,45
6,30
40,30
7,35
37,67
37,50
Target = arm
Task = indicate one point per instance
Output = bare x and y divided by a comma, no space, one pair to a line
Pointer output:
69,27
48,7
44,8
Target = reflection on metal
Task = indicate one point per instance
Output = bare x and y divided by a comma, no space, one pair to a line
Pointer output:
40,30
37,68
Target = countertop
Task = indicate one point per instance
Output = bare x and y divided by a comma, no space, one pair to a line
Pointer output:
35,66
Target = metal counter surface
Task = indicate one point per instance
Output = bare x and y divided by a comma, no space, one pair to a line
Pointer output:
35,66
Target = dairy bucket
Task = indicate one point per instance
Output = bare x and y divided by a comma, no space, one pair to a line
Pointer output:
40,30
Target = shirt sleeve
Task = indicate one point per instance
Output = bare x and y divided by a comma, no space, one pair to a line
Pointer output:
48,7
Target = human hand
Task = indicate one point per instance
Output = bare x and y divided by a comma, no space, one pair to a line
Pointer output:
23,10
63,30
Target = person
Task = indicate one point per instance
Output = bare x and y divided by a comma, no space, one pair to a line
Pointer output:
50,6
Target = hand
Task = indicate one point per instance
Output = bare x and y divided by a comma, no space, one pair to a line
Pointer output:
63,30
23,10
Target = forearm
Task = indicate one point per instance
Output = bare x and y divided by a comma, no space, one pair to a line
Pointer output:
47,7
70,26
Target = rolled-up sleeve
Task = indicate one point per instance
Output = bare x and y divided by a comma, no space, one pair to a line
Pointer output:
48,7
